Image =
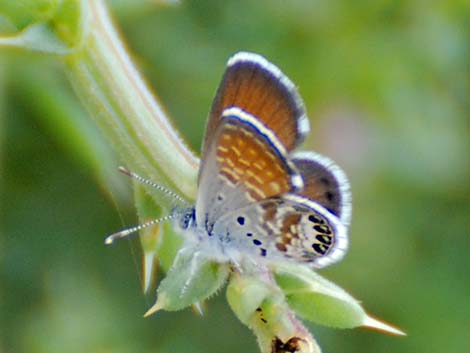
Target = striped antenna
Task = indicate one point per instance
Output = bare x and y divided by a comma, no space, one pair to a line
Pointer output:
152,184
126,232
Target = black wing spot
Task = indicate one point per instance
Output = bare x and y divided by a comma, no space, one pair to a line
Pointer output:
249,234
314,219
320,248
263,252
257,242
220,197
322,229
241,220
329,196
325,239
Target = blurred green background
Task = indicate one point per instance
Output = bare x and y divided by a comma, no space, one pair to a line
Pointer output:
386,85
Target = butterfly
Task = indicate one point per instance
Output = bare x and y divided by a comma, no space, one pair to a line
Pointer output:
257,196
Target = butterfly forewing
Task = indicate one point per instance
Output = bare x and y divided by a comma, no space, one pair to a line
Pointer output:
259,88
245,163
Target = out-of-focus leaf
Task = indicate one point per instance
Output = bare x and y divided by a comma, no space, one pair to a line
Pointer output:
45,25
70,126
26,12
37,37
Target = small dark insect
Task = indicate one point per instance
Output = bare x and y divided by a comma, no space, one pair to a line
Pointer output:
292,345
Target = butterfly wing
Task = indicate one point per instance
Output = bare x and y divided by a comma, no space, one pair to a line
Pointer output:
259,88
245,163
308,232
324,183
285,227
308,225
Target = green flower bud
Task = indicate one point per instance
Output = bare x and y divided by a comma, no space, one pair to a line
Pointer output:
191,279
260,304
317,299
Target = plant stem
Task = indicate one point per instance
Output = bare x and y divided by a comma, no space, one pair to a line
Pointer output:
117,97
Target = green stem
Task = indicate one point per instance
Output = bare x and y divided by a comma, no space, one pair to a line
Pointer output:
122,105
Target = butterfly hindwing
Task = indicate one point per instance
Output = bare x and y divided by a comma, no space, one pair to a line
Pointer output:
308,232
286,227
324,183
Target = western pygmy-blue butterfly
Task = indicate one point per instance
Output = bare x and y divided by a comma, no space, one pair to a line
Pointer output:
257,197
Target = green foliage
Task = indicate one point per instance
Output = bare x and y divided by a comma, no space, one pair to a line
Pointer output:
191,279
316,299
386,90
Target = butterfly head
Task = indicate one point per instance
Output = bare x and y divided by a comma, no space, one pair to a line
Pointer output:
185,217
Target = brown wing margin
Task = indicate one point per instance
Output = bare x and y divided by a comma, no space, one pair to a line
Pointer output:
260,89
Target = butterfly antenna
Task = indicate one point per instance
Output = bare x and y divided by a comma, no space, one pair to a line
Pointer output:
126,232
152,184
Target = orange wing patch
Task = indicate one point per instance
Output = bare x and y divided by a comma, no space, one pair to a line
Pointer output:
246,158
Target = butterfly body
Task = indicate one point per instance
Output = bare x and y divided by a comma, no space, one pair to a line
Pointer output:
257,198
